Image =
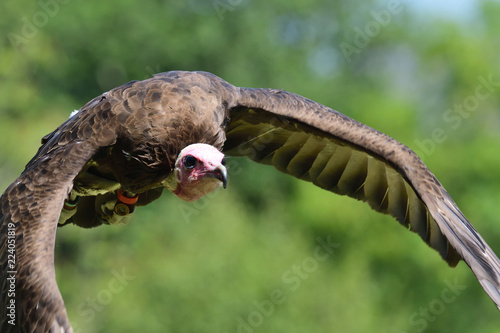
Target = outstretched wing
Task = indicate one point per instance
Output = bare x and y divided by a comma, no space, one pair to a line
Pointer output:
30,209
317,144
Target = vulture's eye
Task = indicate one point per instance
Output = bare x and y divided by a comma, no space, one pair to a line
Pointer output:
190,161
223,162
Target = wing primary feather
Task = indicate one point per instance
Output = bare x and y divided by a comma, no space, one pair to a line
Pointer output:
406,189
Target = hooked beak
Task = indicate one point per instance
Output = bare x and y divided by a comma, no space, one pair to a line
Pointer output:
220,173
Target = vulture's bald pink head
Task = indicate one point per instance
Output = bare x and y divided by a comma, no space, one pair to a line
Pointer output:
199,170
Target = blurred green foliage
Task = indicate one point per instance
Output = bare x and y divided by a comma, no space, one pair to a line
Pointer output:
243,260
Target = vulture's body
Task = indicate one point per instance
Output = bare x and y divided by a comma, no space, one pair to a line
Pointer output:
123,147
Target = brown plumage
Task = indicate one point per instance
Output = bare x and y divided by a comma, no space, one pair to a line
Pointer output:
130,137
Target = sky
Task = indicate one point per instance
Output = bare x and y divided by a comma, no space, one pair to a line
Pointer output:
453,9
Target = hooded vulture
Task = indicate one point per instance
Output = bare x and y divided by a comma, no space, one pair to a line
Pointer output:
172,131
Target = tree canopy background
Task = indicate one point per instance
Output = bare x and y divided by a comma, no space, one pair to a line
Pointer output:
245,259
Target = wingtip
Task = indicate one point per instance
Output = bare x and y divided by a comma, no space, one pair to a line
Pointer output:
492,291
